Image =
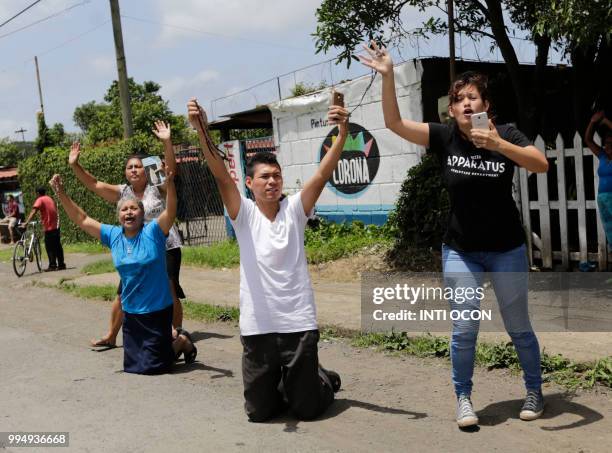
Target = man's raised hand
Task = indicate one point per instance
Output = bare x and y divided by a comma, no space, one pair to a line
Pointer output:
196,115
75,152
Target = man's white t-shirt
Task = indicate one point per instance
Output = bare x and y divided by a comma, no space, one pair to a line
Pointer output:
275,290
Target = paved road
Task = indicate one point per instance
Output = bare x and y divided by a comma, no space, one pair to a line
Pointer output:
52,381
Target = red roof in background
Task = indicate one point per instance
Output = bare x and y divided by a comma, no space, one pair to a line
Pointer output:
8,173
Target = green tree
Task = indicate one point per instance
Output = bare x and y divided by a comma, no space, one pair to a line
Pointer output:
345,24
43,139
10,153
57,135
101,122
583,29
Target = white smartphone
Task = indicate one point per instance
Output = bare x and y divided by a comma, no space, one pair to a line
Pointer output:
480,120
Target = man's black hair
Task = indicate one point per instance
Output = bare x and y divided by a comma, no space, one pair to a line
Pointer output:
260,158
41,191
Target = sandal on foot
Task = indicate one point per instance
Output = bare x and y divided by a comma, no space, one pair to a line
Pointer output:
189,356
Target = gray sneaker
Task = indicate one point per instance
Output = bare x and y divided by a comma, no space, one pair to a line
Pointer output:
533,406
465,412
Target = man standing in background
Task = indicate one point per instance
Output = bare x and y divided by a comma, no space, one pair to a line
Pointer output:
50,221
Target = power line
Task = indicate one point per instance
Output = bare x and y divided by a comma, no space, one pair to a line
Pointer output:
19,13
180,27
68,41
74,38
44,19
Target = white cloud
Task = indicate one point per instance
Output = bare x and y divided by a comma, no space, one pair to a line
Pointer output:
233,17
187,86
102,65
9,80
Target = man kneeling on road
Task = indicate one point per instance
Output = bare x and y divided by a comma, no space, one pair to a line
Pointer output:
278,325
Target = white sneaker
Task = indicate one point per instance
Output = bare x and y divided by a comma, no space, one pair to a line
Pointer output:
465,412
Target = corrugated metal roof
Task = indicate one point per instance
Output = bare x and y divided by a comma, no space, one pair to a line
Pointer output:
8,173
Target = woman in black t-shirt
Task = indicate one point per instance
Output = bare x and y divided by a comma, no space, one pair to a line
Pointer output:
484,233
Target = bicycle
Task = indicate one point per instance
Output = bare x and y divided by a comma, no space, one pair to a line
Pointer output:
27,249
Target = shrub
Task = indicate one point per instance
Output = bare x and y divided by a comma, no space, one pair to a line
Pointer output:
421,213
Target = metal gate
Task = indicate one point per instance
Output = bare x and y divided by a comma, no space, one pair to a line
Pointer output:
200,209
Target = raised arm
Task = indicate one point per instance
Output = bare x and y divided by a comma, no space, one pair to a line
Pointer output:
162,131
110,192
74,211
166,218
227,187
314,186
381,62
597,118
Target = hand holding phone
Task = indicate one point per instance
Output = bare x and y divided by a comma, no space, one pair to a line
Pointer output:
480,120
337,98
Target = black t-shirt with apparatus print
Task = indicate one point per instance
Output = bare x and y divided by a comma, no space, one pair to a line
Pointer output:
483,214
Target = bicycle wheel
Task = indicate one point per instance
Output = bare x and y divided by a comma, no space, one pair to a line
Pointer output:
20,260
37,255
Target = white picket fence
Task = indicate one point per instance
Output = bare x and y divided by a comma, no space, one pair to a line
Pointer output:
540,245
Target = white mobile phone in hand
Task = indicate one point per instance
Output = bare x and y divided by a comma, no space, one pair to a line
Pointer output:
480,120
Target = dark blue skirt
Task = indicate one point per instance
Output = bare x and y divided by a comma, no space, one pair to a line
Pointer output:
147,342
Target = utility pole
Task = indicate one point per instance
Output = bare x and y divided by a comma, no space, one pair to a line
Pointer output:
124,91
451,38
22,131
42,108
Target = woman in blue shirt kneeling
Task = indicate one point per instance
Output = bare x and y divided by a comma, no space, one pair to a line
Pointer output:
139,255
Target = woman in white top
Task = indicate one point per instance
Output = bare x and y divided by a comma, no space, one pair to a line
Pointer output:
153,199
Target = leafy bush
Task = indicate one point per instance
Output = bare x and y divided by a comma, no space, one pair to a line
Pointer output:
328,241
420,216
302,88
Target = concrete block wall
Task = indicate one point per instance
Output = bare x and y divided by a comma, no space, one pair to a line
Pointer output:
300,129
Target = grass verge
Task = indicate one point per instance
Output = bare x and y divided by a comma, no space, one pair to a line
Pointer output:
210,312
221,254
85,247
98,267
6,255
555,368
100,292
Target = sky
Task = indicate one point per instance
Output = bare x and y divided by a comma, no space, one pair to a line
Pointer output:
208,49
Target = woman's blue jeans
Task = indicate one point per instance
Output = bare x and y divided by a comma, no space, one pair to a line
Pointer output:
509,277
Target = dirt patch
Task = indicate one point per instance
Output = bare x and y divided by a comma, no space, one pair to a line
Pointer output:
370,259
377,258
